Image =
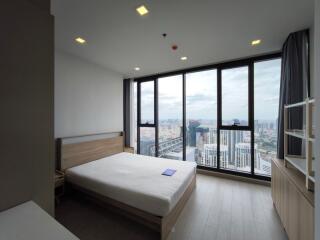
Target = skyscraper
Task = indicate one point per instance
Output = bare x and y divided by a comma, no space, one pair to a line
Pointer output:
210,157
193,124
233,137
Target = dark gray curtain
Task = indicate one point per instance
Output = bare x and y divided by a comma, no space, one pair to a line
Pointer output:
294,87
126,110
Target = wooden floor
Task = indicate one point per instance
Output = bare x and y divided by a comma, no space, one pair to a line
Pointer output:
219,209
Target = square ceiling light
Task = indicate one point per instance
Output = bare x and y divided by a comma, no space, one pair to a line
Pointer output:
142,10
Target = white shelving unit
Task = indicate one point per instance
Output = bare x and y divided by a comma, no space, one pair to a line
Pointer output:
303,163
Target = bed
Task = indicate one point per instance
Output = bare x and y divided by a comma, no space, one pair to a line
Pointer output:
132,184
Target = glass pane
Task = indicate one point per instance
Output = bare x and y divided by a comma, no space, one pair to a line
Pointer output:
170,117
266,105
235,150
147,102
201,117
147,141
234,84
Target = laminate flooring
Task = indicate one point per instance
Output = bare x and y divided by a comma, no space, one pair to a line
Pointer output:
218,209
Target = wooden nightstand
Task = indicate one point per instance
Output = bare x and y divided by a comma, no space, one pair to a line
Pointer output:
58,185
128,149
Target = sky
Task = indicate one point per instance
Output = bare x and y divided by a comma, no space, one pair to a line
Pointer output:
201,94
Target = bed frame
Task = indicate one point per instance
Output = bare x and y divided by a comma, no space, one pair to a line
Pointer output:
74,151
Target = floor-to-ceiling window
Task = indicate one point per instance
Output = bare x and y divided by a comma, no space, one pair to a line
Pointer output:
235,127
201,117
266,103
235,96
146,130
170,115
147,102
223,117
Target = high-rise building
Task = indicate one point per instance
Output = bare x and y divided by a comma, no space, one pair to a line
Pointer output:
233,138
202,136
191,135
210,156
243,155
213,136
235,147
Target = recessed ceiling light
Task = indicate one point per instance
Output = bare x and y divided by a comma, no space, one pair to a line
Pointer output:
184,58
137,68
256,42
142,10
80,40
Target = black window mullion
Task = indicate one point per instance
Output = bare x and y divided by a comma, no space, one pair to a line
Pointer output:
184,123
139,104
250,97
138,139
138,115
239,128
156,117
219,113
147,125
251,112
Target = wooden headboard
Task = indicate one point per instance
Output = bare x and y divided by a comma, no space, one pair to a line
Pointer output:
74,151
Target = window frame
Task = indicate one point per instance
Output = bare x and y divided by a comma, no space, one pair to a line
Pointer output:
233,127
185,109
155,118
219,67
253,105
183,115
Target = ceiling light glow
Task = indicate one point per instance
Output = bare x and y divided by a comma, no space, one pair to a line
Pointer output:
256,42
137,68
184,58
80,40
142,10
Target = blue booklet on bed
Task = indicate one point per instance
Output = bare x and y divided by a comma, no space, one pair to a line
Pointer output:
169,172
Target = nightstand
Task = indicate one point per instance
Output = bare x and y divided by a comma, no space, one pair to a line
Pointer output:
58,184
129,149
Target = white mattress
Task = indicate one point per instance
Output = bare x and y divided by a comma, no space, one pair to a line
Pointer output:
135,180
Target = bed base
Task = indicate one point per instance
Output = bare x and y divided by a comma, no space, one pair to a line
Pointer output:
162,225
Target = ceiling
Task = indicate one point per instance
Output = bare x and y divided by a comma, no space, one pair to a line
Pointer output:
206,31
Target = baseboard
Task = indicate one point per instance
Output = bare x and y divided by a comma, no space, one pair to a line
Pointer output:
233,177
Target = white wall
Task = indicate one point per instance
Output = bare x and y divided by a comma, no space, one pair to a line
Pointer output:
317,96
88,98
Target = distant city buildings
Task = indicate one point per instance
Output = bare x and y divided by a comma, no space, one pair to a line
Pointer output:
202,140
235,149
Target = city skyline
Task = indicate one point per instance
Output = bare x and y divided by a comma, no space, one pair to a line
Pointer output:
235,146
